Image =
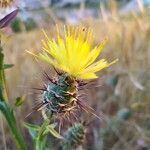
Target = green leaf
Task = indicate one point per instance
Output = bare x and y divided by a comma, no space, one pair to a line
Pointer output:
53,125
50,129
8,113
7,66
40,144
43,127
19,101
33,133
33,126
41,138
33,129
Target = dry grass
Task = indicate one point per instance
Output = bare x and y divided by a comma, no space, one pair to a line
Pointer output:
129,41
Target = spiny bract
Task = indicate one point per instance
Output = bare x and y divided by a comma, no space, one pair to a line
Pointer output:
74,136
74,54
60,96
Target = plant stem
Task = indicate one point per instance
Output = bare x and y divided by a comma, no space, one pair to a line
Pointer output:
3,94
9,116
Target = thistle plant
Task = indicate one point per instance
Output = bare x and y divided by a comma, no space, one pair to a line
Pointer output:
74,58
74,136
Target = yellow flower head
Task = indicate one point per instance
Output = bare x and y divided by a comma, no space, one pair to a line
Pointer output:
74,53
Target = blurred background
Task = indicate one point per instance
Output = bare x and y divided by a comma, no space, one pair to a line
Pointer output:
121,96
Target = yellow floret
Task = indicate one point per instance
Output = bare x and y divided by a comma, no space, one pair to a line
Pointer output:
74,53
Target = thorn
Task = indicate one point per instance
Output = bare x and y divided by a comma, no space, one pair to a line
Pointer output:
97,86
66,83
73,114
50,79
29,114
61,105
70,94
87,108
57,96
58,72
41,89
80,88
38,107
60,124
45,86
81,82
82,94
67,116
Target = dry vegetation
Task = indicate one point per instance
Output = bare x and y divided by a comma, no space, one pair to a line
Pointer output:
124,85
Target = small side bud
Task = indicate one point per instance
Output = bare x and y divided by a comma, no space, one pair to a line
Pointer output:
74,136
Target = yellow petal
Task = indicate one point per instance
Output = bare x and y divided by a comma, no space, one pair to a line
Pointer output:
89,75
73,53
43,57
95,52
101,64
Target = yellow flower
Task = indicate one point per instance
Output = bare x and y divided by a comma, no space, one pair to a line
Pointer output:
74,53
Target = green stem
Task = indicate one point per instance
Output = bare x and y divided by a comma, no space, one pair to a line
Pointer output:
9,116
40,140
40,143
6,110
3,94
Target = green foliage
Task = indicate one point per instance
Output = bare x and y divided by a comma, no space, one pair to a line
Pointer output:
8,66
3,95
30,24
32,129
9,116
6,110
19,101
39,133
50,129
16,25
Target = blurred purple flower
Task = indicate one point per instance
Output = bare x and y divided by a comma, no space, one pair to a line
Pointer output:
141,142
8,18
